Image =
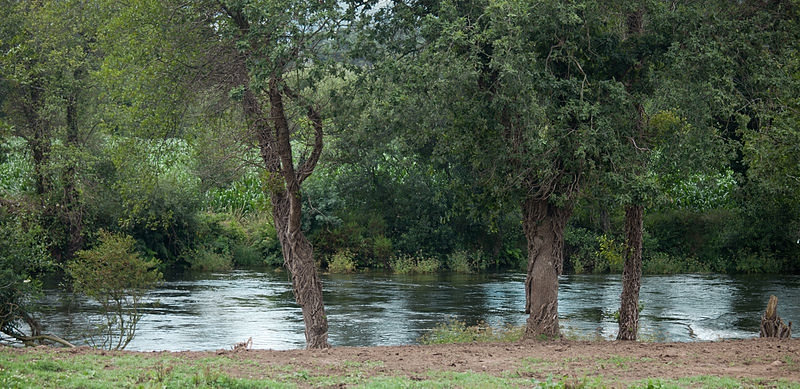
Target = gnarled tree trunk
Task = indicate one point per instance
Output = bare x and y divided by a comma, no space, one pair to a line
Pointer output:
543,224
272,133
631,274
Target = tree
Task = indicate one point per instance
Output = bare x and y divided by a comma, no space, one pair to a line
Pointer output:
268,57
48,57
114,275
498,90
22,258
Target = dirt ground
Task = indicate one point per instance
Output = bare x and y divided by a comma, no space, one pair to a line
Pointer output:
626,361
759,361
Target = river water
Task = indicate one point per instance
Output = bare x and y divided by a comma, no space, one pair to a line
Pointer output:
212,311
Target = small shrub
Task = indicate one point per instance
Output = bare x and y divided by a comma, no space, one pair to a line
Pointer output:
246,256
208,259
612,252
407,264
750,262
459,262
660,263
114,275
342,262
381,249
463,261
663,263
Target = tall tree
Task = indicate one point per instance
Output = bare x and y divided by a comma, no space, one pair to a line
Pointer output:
499,90
268,57
48,57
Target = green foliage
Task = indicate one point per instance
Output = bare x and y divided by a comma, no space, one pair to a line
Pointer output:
611,251
342,262
114,275
16,170
748,262
663,263
590,252
454,331
580,246
702,239
23,258
408,264
463,261
241,197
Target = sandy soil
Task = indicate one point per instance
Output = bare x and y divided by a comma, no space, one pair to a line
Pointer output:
625,361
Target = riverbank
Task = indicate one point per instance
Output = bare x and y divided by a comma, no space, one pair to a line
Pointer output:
734,363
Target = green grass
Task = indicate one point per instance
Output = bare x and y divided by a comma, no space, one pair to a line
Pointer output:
49,368
455,331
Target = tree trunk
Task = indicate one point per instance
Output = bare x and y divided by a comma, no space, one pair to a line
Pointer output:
299,260
631,274
72,212
543,225
284,187
771,324
634,213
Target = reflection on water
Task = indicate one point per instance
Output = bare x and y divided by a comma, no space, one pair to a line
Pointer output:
215,311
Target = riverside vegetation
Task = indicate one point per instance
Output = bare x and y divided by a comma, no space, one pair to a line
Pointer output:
658,138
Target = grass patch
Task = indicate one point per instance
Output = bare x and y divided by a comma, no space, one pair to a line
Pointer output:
455,331
621,362
52,368
712,382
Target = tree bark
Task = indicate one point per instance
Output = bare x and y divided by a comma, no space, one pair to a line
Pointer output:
543,224
631,274
634,213
283,184
771,324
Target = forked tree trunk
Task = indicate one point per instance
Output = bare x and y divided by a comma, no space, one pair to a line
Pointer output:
631,274
543,225
272,134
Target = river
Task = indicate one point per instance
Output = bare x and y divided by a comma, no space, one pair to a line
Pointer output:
212,311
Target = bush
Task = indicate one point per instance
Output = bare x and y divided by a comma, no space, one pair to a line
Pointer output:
663,263
750,262
408,264
342,262
114,275
23,257
580,246
207,259
463,261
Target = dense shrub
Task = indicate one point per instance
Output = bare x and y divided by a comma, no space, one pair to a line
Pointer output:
342,262
23,258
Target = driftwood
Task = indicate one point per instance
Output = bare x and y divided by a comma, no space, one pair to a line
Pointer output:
38,338
771,324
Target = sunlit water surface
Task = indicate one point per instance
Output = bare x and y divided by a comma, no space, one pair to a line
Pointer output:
212,311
